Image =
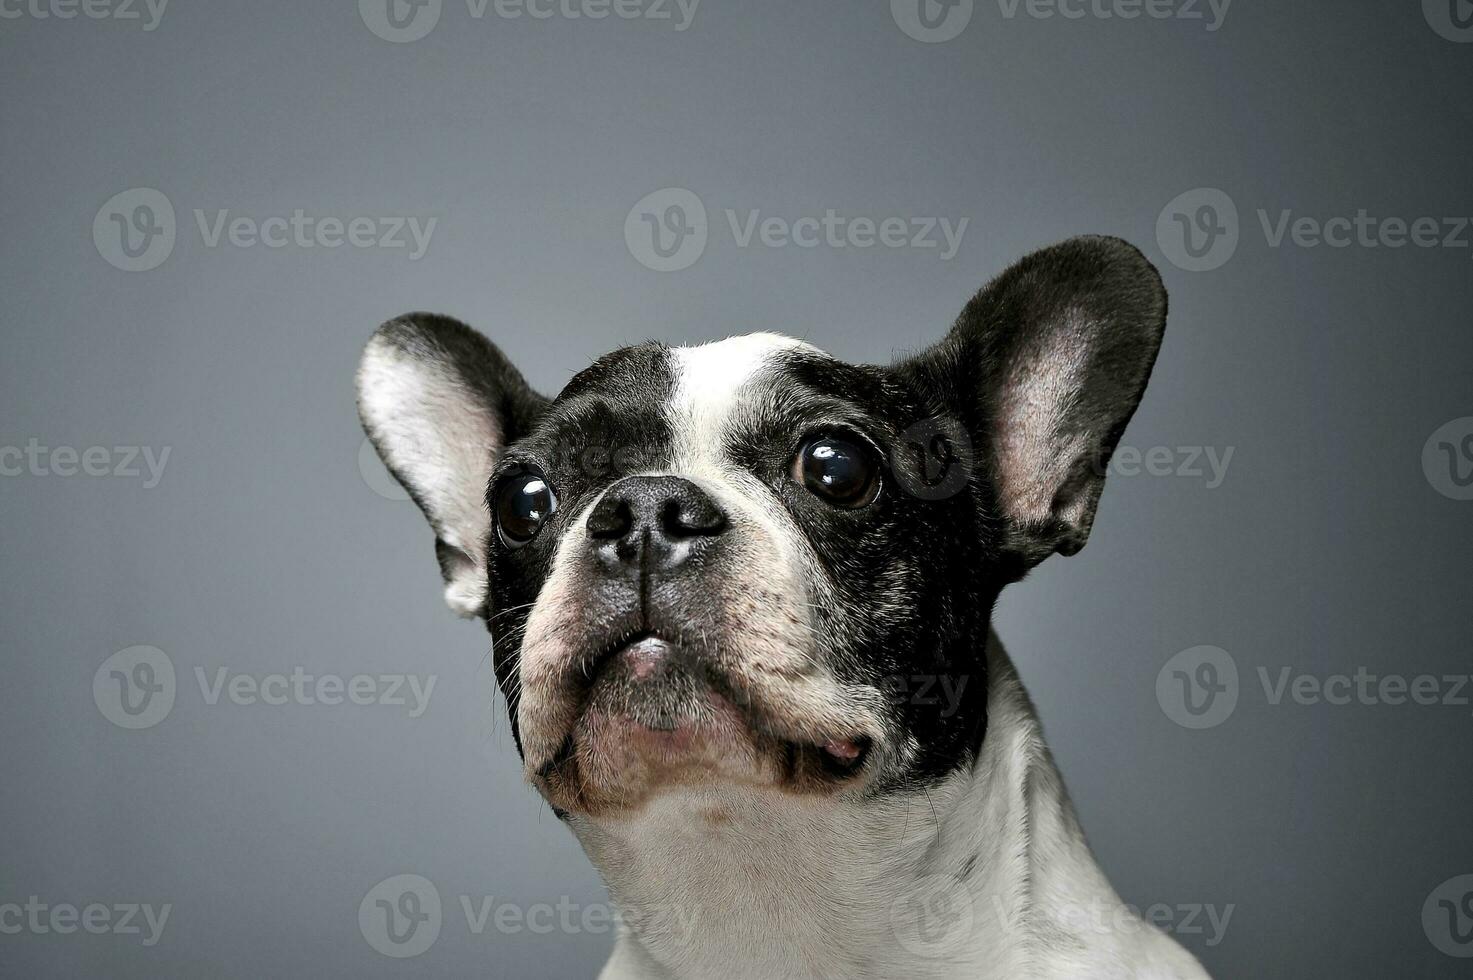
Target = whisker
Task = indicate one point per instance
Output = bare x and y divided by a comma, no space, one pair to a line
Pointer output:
511,609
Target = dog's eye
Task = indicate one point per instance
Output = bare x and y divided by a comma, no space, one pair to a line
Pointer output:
842,470
524,502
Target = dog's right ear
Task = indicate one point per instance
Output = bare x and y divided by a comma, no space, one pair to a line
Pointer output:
1045,367
440,404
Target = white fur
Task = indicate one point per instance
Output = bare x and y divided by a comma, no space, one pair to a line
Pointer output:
709,382
738,884
444,440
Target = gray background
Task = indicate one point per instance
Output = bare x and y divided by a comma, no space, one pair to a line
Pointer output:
1325,548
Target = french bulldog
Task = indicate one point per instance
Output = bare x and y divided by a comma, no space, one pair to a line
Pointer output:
740,601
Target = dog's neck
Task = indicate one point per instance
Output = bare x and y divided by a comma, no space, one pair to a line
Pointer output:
958,880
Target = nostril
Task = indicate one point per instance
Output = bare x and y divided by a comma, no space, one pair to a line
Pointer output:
611,519
682,517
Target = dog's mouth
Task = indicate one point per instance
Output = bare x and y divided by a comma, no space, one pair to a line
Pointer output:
654,711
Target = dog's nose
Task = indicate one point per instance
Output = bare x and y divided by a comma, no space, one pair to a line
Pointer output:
653,521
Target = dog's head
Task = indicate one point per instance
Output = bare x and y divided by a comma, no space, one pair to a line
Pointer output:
749,562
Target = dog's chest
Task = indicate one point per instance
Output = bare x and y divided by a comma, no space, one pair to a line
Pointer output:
787,892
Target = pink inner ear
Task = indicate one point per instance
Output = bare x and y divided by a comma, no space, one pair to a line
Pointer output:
1034,452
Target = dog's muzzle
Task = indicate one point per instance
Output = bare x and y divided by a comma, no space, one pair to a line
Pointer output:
672,645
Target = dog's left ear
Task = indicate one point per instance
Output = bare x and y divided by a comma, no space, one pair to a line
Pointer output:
440,404
1045,367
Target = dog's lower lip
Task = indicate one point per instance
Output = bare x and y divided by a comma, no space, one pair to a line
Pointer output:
652,700
643,651
644,655
844,757
843,750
